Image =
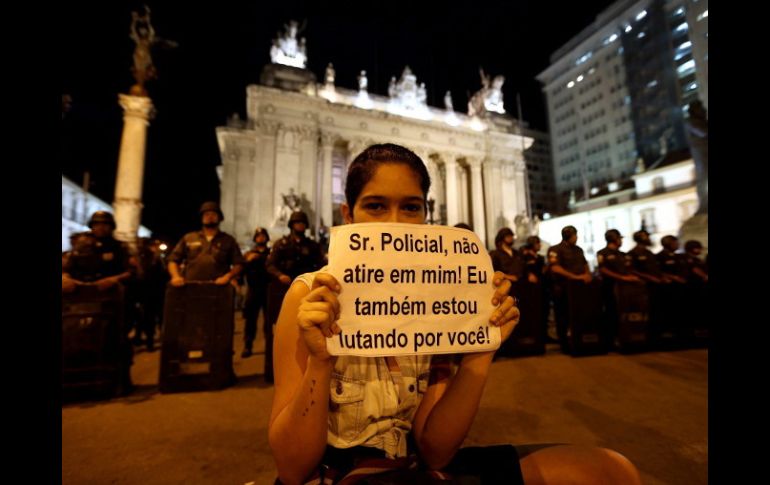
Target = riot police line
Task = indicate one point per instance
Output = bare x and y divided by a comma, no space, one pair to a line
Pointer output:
105,295
634,301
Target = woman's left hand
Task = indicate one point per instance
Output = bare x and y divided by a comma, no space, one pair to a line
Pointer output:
506,315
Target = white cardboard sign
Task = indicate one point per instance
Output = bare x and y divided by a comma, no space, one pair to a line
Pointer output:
411,289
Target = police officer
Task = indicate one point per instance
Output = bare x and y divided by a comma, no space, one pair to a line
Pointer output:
697,270
643,261
98,258
645,265
506,259
291,256
535,269
208,254
257,279
151,279
673,264
534,262
614,266
566,262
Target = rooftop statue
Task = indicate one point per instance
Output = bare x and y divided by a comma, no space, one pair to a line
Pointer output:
330,74
448,101
406,93
489,98
286,49
363,82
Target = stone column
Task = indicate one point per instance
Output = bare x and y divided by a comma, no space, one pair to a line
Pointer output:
493,196
462,197
327,146
127,202
477,191
452,196
268,131
307,181
521,186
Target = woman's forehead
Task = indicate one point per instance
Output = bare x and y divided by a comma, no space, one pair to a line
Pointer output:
393,179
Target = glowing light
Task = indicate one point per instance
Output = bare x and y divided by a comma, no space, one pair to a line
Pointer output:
570,84
580,78
641,15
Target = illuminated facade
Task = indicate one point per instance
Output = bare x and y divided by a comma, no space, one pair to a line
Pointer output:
660,198
299,137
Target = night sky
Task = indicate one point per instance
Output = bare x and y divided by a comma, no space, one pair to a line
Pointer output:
222,48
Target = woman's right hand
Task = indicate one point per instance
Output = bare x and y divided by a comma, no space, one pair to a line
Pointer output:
318,314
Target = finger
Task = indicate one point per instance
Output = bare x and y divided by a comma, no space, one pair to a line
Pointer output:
327,280
323,293
497,278
311,319
501,292
500,311
512,314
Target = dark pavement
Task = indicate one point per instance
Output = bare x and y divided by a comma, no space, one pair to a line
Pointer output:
652,407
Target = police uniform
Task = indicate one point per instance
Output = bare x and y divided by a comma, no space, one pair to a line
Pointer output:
571,258
150,289
93,259
510,264
644,261
672,263
619,262
206,260
291,258
257,278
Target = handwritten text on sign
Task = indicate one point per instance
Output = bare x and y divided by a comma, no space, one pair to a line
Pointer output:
411,289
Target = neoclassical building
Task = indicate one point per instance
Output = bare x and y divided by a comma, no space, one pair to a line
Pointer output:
299,137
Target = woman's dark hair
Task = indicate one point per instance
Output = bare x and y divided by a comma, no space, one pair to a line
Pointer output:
506,231
364,166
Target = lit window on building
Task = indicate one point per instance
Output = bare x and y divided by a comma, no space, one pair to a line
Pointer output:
681,27
570,84
641,35
691,86
686,68
679,11
641,15
704,15
627,29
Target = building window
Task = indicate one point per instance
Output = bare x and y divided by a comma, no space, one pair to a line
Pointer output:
657,185
648,220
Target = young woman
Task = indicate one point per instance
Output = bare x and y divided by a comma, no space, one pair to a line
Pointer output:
392,416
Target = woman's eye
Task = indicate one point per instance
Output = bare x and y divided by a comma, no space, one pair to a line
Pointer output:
413,208
374,206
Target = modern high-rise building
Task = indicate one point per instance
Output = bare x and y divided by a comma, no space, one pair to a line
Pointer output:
619,91
542,192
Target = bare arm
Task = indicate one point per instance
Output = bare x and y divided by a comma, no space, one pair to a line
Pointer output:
449,406
298,421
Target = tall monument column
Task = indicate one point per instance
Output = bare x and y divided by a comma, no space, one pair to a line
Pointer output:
128,184
137,108
477,189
